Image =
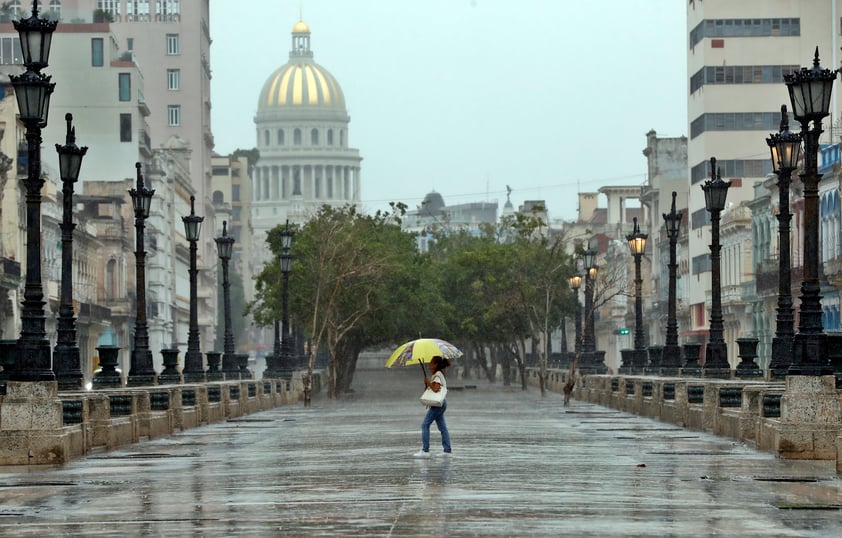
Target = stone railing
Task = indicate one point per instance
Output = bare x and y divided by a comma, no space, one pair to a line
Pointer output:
40,425
800,418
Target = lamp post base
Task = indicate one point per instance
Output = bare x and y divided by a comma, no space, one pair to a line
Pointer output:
68,375
810,355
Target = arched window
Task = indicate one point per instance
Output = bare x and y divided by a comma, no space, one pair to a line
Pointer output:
280,137
341,138
330,137
266,137
218,198
314,137
296,137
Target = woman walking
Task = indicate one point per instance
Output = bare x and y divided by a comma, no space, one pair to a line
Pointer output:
435,414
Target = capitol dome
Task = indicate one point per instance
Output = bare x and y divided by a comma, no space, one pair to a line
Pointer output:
301,84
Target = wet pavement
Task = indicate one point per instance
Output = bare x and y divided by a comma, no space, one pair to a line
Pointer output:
523,465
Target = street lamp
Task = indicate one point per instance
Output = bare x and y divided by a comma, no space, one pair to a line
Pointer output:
716,190
141,371
589,341
785,149
575,284
810,91
671,360
193,367
66,359
285,357
225,247
637,245
33,90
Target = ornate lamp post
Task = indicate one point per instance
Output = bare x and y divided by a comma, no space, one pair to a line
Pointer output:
141,371
716,191
225,247
589,341
285,362
672,352
193,367
810,91
637,245
575,284
33,90
785,148
67,363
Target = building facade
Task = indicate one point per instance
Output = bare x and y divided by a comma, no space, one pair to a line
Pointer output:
302,128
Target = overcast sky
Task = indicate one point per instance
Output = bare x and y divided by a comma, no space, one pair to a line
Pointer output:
464,97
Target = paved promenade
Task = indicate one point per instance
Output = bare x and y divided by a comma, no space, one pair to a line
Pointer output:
523,466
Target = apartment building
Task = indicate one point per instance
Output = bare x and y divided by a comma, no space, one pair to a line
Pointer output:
737,55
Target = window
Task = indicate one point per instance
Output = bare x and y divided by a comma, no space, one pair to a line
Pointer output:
173,79
296,137
54,13
174,115
111,7
167,10
137,10
10,52
314,137
235,193
280,137
97,58
130,44
16,10
125,84
266,137
173,46
125,127
330,137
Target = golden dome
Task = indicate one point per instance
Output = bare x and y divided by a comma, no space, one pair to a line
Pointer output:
301,27
301,85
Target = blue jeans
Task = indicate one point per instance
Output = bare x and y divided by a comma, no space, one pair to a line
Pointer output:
435,414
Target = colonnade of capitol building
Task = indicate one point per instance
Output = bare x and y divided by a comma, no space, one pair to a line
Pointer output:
330,183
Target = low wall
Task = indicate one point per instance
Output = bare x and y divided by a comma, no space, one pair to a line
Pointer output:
39,425
800,418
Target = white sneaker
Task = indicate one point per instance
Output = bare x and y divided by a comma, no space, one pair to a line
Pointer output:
447,454
421,454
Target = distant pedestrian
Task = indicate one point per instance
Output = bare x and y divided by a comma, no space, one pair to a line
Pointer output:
435,414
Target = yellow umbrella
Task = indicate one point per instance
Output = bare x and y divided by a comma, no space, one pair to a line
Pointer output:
422,351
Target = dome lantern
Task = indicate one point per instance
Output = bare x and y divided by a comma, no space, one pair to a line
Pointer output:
300,41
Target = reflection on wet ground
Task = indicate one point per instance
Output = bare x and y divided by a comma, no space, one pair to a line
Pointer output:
523,465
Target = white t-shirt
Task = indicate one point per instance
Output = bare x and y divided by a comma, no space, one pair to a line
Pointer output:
438,377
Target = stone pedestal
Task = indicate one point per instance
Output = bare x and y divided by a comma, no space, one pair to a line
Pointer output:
31,424
811,418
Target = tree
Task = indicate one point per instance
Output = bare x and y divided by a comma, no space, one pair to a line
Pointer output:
252,155
346,266
609,284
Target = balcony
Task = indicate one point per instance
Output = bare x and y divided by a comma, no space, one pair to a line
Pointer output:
766,276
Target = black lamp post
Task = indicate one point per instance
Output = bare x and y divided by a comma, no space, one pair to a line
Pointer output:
193,367
716,190
589,340
225,247
785,148
66,360
672,351
575,284
810,91
285,362
33,90
637,245
141,371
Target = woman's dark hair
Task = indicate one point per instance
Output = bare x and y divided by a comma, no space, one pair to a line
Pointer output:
441,362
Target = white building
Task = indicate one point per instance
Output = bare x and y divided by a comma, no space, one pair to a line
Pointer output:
303,139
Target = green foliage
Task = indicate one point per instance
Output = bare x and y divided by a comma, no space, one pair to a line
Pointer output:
253,155
237,298
358,282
